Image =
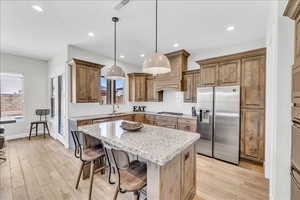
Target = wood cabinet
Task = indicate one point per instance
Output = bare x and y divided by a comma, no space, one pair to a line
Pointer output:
137,87
188,176
252,134
253,82
150,119
189,87
85,77
167,122
173,79
297,40
187,125
139,117
152,94
296,85
209,76
229,73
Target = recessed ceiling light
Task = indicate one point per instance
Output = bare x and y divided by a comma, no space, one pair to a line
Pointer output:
38,8
91,34
142,55
176,45
122,56
230,28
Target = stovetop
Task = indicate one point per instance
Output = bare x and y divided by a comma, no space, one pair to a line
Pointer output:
170,113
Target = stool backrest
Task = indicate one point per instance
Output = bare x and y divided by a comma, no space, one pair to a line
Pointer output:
42,113
80,143
119,157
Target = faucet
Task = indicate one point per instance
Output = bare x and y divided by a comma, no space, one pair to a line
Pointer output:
115,107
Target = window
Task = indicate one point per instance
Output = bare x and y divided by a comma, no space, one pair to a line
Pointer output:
111,91
12,95
105,91
118,93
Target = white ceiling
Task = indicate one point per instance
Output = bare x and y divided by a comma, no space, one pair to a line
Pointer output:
195,25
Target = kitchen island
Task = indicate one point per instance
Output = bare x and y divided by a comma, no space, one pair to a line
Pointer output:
169,153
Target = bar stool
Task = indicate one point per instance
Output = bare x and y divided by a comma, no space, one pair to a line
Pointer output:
86,155
2,145
42,113
132,176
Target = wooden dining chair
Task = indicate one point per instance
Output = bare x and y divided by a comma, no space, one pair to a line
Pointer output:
87,155
132,175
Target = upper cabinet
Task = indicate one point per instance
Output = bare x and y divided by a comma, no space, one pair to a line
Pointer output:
253,82
152,94
137,86
209,76
190,81
229,72
85,77
173,79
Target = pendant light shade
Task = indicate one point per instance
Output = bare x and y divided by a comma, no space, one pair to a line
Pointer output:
115,72
157,63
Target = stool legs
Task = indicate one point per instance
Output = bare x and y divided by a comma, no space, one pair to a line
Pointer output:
36,129
47,128
92,179
44,126
79,175
30,131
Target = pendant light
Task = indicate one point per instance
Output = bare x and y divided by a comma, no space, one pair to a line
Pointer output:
157,63
115,72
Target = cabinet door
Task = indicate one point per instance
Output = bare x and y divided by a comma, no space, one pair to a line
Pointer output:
253,82
189,87
187,125
209,75
81,84
188,175
297,41
229,73
252,134
296,85
140,88
197,78
93,75
139,118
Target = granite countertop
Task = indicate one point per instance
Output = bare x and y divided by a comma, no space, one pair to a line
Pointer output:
156,144
99,116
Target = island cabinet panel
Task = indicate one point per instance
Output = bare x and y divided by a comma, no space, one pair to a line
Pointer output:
84,122
252,134
296,85
229,73
253,82
85,77
187,125
137,87
297,41
189,87
188,160
209,76
167,122
176,180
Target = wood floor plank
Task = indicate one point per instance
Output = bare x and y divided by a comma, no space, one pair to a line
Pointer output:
42,169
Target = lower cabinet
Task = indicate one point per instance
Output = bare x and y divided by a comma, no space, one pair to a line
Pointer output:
187,125
188,176
167,122
150,119
252,134
139,118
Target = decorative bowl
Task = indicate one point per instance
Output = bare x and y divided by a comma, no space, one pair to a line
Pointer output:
131,126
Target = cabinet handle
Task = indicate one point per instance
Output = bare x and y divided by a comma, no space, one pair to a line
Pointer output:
293,168
186,156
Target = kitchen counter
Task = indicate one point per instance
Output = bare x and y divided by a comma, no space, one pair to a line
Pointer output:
100,116
156,144
170,156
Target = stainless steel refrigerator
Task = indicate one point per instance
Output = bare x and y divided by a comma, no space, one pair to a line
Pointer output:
219,122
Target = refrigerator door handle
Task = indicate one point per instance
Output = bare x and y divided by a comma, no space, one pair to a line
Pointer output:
200,115
295,169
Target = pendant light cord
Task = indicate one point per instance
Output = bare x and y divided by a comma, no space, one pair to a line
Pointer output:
156,8
115,51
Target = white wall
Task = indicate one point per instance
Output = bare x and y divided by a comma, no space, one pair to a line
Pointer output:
35,90
280,40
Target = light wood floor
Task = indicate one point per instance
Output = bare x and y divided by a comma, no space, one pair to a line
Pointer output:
42,169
